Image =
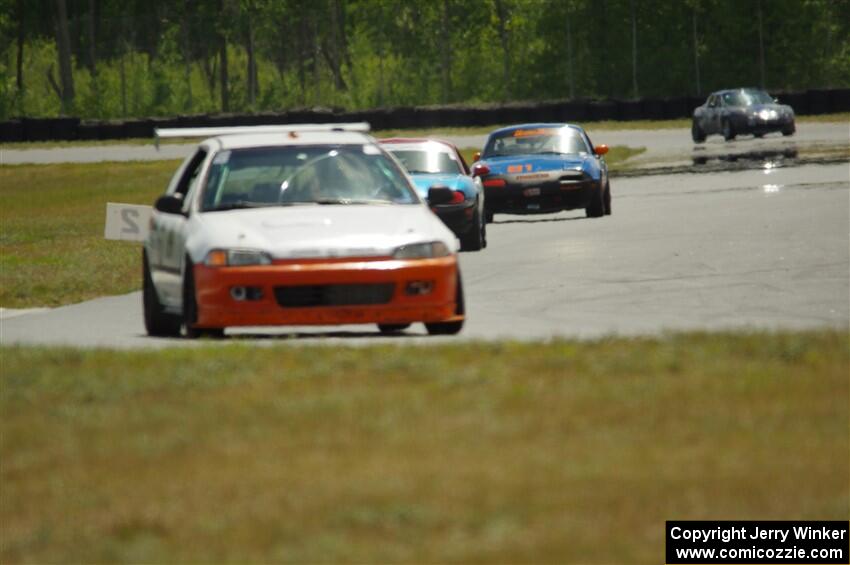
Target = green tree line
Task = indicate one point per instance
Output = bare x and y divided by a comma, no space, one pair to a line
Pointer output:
124,58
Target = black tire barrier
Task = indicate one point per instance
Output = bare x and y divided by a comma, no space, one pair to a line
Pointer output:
839,100
64,129
400,115
818,102
603,110
653,109
425,118
694,102
482,116
88,131
36,129
11,131
378,118
190,121
574,111
139,129
675,108
547,112
629,110
815,101
112,130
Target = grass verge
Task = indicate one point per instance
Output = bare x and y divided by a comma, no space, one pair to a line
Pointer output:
424,132
52,249
557,452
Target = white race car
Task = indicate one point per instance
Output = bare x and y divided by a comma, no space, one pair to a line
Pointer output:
297,225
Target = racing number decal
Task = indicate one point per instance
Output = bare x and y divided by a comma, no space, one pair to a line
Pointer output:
129,216
128,222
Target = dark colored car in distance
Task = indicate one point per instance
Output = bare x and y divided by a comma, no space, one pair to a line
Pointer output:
741,111
539,168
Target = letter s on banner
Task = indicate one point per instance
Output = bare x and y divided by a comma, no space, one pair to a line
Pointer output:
128,222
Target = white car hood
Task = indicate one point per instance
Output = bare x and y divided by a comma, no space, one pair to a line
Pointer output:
285,232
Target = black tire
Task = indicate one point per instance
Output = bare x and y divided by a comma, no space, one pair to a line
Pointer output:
157,322
489,216
728,131
758,135
607,198
789,130
450,328
392,328
696,133
190,308
596,208
473,239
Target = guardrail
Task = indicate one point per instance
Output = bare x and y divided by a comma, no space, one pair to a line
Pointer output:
56,129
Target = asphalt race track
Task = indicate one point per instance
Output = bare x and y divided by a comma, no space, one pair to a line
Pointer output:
671,145
763,248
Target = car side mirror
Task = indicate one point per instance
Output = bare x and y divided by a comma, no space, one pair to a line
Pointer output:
601,149
476,156
440,194
169,204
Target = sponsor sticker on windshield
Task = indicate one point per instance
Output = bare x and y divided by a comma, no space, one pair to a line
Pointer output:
534,132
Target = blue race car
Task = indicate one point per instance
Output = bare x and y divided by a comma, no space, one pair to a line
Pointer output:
435,163
538,168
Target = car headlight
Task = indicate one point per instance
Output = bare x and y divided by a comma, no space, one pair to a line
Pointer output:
236,258
422,250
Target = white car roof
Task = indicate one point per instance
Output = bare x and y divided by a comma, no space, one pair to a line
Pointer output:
235,137
240,141
244,140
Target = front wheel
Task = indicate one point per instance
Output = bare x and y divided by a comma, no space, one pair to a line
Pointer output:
596,208
190,308
473,239
696,133
607,199
789,130
728,131
453,327
157,322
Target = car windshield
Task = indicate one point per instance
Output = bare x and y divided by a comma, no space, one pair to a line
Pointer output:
430,158
746,98
309,174
557,140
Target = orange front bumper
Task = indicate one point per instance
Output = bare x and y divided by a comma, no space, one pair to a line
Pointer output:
217,308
